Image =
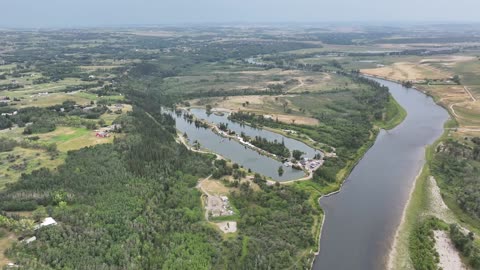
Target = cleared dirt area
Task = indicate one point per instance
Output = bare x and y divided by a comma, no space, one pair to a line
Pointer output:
217,206
449,256
214,187
405,71
301,120
227,226
436,205
461,100
448,59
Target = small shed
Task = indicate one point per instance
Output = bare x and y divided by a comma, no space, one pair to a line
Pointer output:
46,222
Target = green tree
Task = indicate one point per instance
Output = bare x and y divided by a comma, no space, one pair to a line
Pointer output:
297,154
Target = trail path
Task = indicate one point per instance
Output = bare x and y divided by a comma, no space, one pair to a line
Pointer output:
199,186
302,83
469,93
452,109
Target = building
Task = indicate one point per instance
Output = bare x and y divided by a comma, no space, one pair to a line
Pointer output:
46,222
102,134
29,240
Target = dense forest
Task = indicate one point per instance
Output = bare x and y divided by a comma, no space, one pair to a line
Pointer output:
457,167
133,205
345,129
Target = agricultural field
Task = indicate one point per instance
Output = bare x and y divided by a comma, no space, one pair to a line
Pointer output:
239,78
451,78
406,71
271,106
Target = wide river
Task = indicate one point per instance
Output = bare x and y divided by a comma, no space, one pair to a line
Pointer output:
361,220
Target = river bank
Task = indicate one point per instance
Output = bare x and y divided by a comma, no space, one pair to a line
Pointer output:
417,205
425,201
361,219
330,189
345,172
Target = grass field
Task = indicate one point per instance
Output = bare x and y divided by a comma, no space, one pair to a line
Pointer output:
110,117
272,106
469,75
35,95
225,77
69,138
338,102
214,187
455,98
407,71
7,67
25,160
5,243
22,160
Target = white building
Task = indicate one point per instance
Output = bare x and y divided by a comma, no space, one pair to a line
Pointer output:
46,222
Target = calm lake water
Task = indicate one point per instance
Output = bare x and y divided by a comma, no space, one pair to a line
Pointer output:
237,152
252,132
362,218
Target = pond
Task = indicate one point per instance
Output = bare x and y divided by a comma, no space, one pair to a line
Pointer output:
238,153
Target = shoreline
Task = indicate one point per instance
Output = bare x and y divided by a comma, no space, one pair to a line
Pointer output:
216,130
359,157
392,254
417,89
394,248
344,172
390,258
393,251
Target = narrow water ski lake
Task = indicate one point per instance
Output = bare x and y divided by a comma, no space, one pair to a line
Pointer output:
238,153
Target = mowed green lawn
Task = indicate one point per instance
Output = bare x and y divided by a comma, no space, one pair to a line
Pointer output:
72,138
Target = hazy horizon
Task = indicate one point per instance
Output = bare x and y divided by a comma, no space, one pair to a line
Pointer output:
88,13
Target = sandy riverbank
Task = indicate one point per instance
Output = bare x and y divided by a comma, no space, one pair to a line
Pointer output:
400,243
449,257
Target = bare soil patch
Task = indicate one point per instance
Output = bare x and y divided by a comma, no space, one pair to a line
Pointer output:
406,71
227,226
449,256
214,187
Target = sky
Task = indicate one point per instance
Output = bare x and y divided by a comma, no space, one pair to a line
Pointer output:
76,13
